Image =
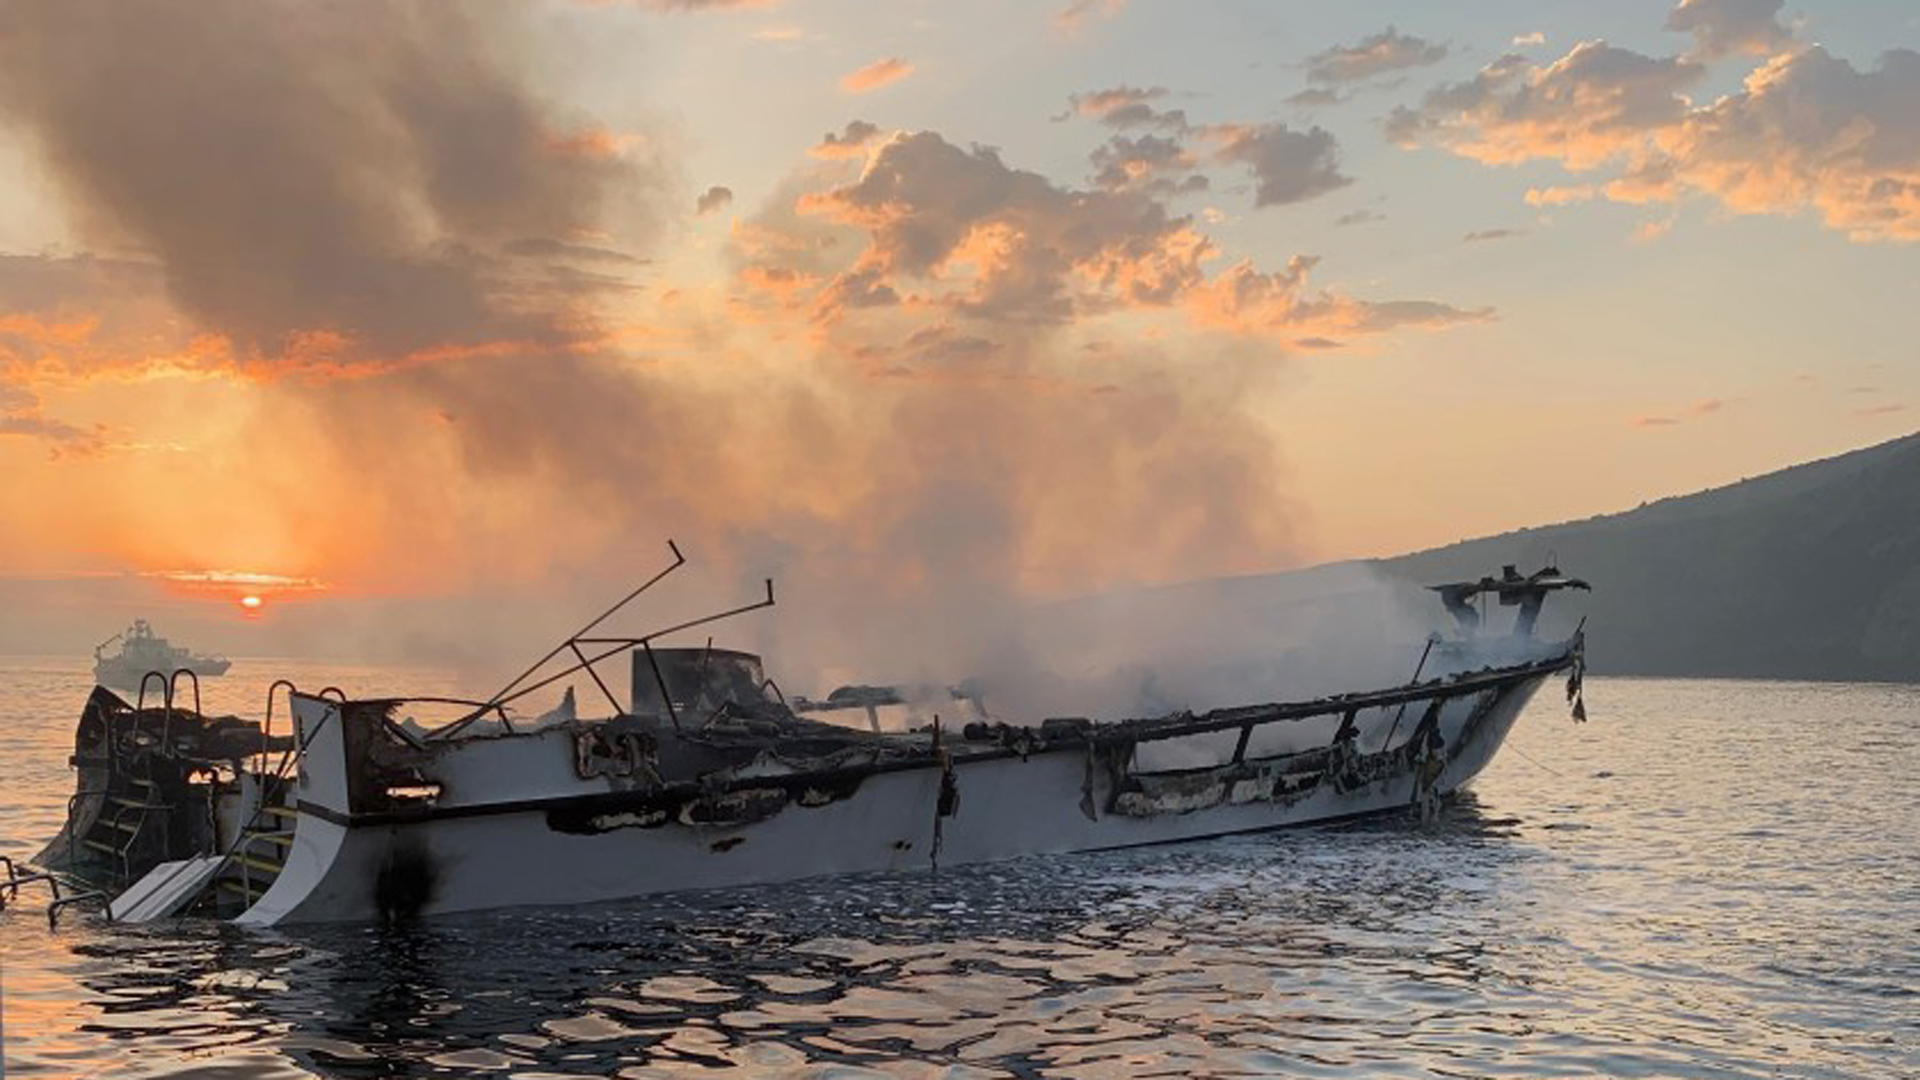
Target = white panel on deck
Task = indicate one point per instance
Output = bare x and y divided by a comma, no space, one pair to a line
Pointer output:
166,889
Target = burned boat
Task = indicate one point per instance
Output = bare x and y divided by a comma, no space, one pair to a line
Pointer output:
710,776
141,652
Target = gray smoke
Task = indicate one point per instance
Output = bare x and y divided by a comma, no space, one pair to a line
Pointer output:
325,182
383,190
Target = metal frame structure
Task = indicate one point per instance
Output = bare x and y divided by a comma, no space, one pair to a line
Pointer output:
519,687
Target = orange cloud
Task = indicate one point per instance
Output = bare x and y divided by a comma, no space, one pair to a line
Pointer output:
875,75
959,232
1073,18
1594,103
1560,195
32,329
959,228
21,415
1806,130
784,283
1245,300
851,142
1379,54
235,584
594,143
1648,231
1809,130
1703,407
1724,27
1121,106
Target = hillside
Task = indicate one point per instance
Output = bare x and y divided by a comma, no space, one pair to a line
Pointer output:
1812,572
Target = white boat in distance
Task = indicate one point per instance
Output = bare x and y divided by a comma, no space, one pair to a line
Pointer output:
142,652
710,777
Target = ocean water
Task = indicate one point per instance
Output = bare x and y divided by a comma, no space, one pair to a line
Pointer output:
1709,879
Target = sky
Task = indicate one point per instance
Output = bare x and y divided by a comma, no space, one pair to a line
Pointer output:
402,317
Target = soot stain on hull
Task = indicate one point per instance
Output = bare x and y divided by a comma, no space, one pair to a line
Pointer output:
406,883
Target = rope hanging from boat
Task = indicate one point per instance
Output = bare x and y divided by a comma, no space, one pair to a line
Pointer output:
1576,675
1429,762
947,803
1087,805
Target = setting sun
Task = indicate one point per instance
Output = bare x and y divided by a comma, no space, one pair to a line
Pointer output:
251,603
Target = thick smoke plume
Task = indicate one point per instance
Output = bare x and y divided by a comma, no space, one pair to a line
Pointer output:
321,182
921,412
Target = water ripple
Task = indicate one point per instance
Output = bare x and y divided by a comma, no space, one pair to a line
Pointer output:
1708,880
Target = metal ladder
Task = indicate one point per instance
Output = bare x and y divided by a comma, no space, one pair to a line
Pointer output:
258,855
138,799
258,852
264,840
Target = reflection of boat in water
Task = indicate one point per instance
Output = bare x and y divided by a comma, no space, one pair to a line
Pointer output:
510,988
710,777
141,651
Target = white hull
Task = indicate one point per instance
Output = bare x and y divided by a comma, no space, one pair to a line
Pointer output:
142,652
128,675
502,848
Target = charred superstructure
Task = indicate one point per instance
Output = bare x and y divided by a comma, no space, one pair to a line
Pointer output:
711,776
1528,592
159,783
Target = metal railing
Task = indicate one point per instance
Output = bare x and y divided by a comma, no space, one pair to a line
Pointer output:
10,890
520,687
248,831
